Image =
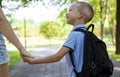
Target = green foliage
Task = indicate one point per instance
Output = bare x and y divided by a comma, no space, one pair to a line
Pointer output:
22,1
31,29
108,17
96,7
111,12
25,1
73,1
61,28
58,28
49,29
111,52
62,22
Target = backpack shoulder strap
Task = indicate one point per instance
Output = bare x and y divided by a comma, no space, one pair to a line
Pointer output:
70,52
71,58
84,31
80,29
91,25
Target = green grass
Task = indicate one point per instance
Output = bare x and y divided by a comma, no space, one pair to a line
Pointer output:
111,52
14,58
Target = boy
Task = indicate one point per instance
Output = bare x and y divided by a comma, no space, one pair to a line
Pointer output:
79,14
5,29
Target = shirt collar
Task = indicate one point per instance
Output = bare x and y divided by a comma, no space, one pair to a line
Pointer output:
79,26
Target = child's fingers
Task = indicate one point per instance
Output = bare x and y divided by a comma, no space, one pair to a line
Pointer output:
25,59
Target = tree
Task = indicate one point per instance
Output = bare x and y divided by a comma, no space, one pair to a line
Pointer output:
49,29
111,17
22,1
103,12
118,28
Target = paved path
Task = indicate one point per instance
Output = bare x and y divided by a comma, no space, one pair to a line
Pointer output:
116,72
57,69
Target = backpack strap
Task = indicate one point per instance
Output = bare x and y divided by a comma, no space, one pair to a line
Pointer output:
91,25
84,31
70,52
80,30
71,58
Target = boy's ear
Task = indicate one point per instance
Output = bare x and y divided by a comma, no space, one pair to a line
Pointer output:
80,14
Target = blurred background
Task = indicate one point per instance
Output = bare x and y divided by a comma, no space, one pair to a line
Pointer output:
43,22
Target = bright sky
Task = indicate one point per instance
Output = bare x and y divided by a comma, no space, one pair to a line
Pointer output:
38,13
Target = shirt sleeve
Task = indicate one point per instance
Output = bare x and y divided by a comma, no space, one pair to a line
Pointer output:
71,40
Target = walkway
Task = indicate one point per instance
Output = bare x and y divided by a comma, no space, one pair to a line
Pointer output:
57,69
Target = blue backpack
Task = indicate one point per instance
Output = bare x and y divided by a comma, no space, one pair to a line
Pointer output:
96,61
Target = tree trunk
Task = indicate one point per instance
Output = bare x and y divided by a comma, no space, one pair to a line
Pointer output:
103,13
101,19
112,30
118,28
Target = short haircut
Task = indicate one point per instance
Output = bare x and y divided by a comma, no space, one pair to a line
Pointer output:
87,9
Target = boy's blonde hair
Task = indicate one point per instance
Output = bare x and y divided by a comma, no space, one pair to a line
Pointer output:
87,9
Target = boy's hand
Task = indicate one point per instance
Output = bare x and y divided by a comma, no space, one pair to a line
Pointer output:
29,60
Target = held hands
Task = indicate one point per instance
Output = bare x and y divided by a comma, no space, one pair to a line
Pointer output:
25,54
29,60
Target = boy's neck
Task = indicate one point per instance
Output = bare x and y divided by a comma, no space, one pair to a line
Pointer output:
78,22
